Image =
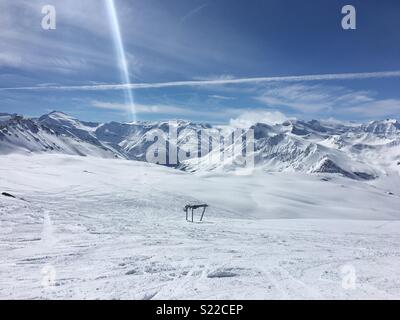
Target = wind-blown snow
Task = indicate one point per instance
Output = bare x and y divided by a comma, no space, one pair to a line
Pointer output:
115,229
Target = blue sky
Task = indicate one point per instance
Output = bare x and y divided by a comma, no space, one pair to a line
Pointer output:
195,48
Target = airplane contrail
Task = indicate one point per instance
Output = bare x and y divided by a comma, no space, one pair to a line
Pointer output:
197,83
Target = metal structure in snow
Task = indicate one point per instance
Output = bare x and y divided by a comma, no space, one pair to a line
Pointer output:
194,207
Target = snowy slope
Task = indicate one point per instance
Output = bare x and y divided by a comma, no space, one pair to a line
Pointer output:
86,227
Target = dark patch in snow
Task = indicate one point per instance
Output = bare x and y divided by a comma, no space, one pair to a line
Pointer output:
6,194
223,273
328,166
364,175
133,272
326,179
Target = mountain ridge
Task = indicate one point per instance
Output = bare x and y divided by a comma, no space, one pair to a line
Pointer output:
357,151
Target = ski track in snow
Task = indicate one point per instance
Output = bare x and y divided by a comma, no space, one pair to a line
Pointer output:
114,229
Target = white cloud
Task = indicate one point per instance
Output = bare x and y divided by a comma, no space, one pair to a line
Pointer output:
248,118
239,117
334,100
163,109
141,108
378,108
314,98
25,45
219,97
10,60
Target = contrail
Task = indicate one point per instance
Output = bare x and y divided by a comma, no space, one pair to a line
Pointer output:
193,12
197,83
119,46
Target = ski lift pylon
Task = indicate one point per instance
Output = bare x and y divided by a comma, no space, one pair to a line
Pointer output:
194,207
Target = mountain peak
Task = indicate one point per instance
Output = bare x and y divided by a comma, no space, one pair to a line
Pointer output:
58,114
383,127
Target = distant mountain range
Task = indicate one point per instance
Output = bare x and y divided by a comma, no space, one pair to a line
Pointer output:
357,151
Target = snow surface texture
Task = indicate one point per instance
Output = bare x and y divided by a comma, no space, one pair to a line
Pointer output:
94,228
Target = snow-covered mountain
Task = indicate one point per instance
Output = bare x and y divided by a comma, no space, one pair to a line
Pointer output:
55,132
358,151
